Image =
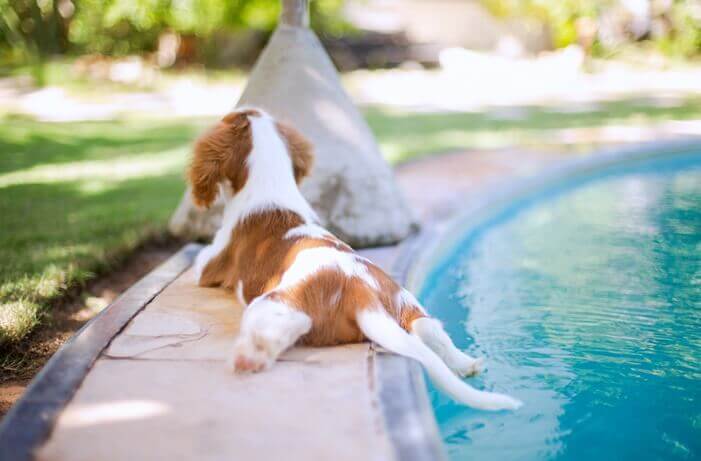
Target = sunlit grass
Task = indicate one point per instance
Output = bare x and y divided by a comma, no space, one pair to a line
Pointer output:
17,318
74,197
109,170
405,136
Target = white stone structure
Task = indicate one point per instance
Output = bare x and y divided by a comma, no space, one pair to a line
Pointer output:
352,188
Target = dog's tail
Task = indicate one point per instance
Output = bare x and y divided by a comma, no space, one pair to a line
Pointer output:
377,325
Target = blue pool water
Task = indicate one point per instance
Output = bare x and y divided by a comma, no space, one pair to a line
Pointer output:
586,302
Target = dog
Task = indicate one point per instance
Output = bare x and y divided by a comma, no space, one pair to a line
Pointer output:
298,282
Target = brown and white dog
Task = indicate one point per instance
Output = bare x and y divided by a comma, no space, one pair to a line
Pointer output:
302,285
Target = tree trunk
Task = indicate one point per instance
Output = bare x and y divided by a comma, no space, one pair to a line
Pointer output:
351,188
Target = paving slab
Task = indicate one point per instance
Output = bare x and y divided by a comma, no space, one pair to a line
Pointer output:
162,390
184,410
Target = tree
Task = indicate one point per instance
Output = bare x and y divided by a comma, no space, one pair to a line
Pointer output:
352,188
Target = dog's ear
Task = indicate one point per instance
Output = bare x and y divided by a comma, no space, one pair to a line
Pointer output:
300,150
221,154
205,170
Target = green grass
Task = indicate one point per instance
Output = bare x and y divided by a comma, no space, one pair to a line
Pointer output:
74,197
404,137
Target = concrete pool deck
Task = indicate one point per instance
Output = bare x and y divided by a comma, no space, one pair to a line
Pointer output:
160,388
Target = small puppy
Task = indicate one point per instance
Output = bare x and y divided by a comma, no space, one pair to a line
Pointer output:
302,285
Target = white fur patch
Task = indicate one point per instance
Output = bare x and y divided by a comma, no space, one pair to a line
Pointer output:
271,182
405,298
203,257
270,185
273,320
431,332
308,230
239,293
336,298
268,328
309,262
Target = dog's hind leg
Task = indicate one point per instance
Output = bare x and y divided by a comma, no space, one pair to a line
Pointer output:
268,328
431,332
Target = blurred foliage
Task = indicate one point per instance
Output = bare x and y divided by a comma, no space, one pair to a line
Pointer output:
604,26
129,26
30,30
32,25
560,15
118,27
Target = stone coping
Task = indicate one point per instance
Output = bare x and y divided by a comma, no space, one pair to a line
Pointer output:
30,421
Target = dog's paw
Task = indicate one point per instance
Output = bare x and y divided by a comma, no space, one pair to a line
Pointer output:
244,364
249,357
469,366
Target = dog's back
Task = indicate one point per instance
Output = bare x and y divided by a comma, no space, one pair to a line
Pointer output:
300,283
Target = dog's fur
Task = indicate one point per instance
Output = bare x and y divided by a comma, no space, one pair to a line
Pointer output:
302,285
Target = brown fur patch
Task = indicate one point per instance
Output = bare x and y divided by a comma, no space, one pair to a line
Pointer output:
332,300
407,316
258,254
251,112
220,154
388,292
300,150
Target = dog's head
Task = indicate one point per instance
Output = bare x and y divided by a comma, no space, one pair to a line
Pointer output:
221,155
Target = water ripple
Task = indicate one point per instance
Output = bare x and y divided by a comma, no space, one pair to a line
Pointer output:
588,308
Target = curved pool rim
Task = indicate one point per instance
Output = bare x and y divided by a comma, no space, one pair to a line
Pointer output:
421,254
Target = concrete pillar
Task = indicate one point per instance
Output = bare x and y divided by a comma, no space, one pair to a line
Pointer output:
352,188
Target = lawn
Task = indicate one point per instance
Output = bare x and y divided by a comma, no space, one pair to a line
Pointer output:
406,136
75,197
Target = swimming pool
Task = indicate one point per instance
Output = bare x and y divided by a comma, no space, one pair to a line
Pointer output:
585,298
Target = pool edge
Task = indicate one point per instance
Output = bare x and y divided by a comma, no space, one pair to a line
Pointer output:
415,255
401,391
433,237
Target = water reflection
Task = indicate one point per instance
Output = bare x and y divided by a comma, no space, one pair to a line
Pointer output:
588,307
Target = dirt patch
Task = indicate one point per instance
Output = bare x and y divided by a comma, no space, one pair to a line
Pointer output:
21,362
